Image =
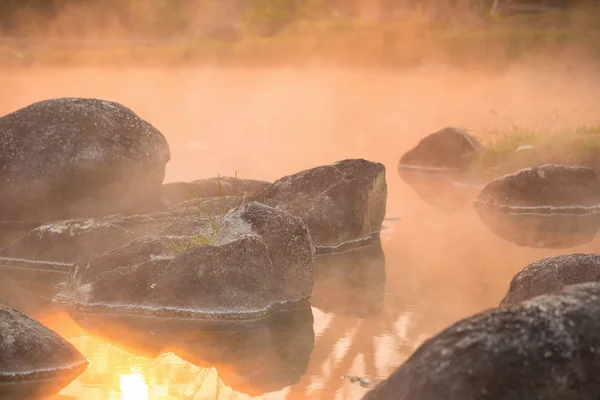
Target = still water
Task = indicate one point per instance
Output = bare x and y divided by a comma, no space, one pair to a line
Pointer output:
370,309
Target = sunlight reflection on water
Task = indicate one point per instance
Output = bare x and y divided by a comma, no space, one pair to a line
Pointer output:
133,387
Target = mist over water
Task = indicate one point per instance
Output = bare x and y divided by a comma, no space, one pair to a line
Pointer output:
266,123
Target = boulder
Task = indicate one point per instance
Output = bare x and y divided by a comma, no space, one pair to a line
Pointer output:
551,274
287,239
341,202
446,150
176,192
32,356
432,168
542,349
72,240
550,206
72,157
261,259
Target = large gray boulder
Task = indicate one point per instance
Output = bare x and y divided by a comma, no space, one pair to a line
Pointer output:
31,352
551,274
542,349
340,202
73,157
262,259
551,206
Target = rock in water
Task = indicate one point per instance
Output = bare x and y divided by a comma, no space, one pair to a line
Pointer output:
33,358
72,240
448,149
72,157
340,202
542,349
432,168
551,206
287,239
261,259
551,274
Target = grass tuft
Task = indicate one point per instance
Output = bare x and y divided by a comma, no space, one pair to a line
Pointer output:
501,155
215,220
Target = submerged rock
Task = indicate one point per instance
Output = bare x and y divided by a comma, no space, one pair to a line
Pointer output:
542,349
551,206
177,192
71,157
340,202
432,168
251,357
261,259
551,274
33,359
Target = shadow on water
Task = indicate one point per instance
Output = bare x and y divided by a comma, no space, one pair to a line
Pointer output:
351,283
251,358
38,389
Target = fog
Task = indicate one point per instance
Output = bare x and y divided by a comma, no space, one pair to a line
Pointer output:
266,122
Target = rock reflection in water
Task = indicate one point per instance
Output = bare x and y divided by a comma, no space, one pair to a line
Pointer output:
438,188
38,389
351,283
539,230
251,358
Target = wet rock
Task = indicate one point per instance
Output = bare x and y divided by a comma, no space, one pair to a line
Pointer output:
288,240
433,168
254,357
33,358
551,206
69,157
177,192
446,150
262,259
351,283
551,274
544,348
67,241
340,202
72,240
